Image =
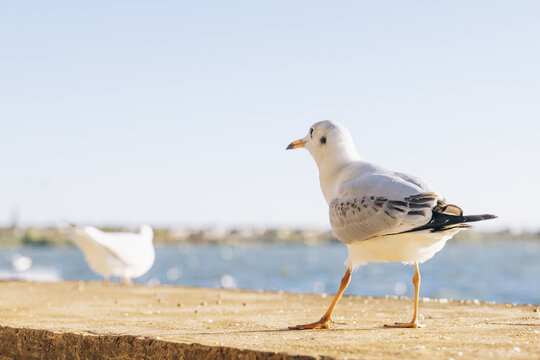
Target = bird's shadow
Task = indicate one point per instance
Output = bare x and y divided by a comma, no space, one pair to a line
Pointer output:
286,330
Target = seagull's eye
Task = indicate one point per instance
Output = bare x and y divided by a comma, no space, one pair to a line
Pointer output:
311,132
323,140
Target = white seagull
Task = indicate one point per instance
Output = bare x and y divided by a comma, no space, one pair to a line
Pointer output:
120,254
380,214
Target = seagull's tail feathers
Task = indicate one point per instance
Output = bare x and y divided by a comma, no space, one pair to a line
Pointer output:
442,222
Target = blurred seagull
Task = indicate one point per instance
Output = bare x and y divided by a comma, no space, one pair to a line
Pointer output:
380,214
121,254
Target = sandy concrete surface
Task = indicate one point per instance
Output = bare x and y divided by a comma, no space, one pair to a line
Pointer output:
69,320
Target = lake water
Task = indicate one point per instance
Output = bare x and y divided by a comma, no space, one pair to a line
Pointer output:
487,271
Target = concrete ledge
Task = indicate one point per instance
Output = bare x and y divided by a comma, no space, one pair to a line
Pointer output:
43,344
77,320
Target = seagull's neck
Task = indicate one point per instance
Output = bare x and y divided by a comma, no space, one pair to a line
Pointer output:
331,167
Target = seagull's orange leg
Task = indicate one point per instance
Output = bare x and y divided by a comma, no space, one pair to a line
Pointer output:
127,280
327,317
414,323
106,279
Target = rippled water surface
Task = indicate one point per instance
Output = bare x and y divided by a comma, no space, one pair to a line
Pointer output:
488,271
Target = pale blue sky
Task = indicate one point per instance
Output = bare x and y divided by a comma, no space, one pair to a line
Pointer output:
178,113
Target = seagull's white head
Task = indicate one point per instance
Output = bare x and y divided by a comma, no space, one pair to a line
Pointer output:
329,142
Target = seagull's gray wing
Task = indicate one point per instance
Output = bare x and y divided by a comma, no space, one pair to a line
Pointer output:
361,218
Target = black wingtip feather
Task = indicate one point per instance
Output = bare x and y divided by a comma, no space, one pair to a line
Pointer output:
472,218
443,222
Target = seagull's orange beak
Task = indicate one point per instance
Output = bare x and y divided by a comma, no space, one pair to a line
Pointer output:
296,144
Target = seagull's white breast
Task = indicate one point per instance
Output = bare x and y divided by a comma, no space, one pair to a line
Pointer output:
408,247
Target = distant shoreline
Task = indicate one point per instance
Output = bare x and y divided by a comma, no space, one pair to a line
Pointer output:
32,236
